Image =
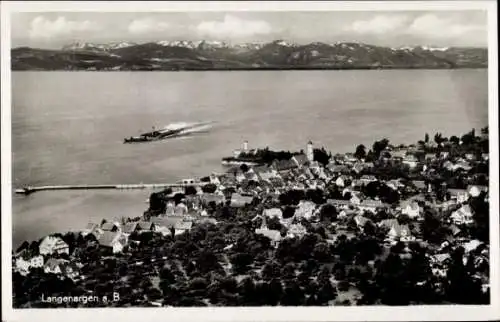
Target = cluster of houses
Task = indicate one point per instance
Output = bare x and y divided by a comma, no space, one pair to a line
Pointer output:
110,236
349,174
301,172
45,257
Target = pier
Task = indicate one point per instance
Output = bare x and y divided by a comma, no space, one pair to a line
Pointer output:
29,189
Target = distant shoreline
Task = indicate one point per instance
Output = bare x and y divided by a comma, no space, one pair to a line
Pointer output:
255,69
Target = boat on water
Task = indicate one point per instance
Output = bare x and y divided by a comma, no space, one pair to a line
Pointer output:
154,135
165,133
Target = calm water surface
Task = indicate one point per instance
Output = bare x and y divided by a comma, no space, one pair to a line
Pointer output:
68,127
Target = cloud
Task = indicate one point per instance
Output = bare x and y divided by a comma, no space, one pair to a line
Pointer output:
378,25
428,28
45,28
431,25
233,27
147,25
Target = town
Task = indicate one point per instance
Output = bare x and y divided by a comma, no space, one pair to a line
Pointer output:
384,225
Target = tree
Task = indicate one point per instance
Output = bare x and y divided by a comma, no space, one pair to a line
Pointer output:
166,191
198,283
244,168
292,295
438,138
288,271
328,212
288,212
292,197
321,252
207,261
315,195
469,138
392,281
369,228
167,276
190,190
209,188
178,197
371,190
241,262
432,229
273,292
460,287
271,270
247,291
403,219
481,226
274,223
379,146
326,293
156,203
426,138
454,139
321,156
360,152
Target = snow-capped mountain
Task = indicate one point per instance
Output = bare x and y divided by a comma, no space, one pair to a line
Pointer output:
253,46
423,47
80,46
435,48
179,43
284,43
208,44
213,54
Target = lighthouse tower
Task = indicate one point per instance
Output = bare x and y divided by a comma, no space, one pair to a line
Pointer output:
310,151
245,146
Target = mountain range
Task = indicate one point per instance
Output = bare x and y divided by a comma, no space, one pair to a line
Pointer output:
216,55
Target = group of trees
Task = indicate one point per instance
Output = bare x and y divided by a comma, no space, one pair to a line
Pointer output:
378,189
322,156
374,153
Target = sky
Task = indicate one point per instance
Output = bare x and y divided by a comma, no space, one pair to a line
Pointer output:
394,29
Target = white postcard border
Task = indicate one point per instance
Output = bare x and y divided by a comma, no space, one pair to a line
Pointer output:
369,313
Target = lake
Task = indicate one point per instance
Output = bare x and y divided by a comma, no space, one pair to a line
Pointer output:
68,127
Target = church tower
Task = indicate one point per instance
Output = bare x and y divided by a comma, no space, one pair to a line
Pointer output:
310,151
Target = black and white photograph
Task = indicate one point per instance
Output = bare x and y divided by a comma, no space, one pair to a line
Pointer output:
301,157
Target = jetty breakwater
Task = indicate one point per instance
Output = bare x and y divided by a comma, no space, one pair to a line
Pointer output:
29,189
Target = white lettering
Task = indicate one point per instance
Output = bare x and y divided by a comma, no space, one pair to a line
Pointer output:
75,299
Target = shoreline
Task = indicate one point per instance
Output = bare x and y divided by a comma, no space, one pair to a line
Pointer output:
257,69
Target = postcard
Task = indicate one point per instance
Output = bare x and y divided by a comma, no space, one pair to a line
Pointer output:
250,161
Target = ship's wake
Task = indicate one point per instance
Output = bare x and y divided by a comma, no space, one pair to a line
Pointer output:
189,127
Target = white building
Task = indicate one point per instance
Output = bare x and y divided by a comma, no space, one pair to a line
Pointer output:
273,235
37,261
114,240
475,190
273,212
310,151
460,195
462,216
50,245
22,266
296,230
54,266
305,209
411,209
